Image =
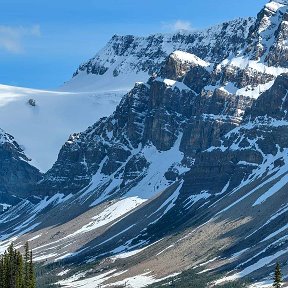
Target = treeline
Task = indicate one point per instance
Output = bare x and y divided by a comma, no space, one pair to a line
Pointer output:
17,271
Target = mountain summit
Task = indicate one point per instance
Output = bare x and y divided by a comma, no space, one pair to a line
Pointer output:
192,165
267,40
284,2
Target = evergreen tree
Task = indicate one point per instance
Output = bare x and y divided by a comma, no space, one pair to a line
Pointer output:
277,276
19,270
1,271
26,280
6,270
13,272
31,272
10,268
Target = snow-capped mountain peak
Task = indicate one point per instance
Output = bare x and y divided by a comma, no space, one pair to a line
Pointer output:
275,5
283,2
267,40
193,158
128,59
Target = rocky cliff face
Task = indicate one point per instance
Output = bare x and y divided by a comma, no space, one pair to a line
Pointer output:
16,174
267,38
224,194
156,113
202,143
148,53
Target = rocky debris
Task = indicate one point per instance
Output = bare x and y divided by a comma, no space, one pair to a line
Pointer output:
32,102
240,162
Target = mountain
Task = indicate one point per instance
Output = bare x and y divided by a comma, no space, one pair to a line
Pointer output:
16,174
129,59
189,171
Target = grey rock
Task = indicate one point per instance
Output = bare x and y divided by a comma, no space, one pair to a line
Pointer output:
17,176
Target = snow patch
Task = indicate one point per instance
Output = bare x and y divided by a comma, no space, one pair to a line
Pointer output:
46,126
274,189
110,214
190,58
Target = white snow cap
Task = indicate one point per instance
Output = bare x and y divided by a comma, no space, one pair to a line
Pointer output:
284,2
191,58
275,5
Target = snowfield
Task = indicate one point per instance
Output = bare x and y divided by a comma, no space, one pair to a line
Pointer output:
41,130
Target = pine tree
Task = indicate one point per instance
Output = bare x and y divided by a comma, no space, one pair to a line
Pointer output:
6,270
10,269
19,271
277,276
31,272
1,271
13,272
26,280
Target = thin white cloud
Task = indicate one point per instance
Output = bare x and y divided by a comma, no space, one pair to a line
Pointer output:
178,25
12,38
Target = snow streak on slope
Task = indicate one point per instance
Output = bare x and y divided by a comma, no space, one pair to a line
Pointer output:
261,263
138,281
110,214
41,130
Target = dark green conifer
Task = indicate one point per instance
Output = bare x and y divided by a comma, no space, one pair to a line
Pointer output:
26,272
13,272
277,276
31,272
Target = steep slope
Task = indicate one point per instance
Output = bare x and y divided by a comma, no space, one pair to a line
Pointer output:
16,174
220,181
150,118
191,166
267,39
127,59
229,210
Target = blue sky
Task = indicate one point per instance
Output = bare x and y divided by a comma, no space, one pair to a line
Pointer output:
42,42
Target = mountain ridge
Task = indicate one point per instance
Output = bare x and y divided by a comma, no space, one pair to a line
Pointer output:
191,166
146,54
